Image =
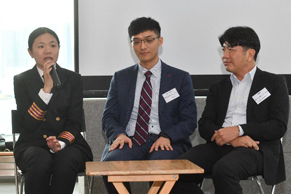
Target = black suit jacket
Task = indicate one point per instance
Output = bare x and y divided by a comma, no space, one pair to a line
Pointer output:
63,113
266,122
177,118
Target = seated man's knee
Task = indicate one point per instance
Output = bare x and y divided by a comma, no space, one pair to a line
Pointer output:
114,155
223,169
124,154
177,151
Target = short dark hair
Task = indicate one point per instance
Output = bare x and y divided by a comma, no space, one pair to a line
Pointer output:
143,24
241,36
39,31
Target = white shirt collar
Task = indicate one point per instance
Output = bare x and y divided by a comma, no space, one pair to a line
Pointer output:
250,73
253,72
156,69
39,71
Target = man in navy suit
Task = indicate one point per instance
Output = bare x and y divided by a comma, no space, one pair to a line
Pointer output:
172,117
244,118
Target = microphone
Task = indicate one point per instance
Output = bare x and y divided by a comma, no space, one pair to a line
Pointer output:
55,77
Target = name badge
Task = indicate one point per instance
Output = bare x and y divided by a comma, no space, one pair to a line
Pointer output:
171,95
261,95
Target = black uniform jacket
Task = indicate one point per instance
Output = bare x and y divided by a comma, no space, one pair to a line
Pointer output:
62,117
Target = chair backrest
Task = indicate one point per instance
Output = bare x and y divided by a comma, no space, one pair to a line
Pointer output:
15,125
15,122
83,124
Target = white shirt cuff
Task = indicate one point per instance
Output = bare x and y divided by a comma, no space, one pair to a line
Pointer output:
63,145
46,97
241,131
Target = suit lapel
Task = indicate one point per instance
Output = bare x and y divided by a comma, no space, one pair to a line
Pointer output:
165,86
35,80
224,98
256,84
255,88
131,77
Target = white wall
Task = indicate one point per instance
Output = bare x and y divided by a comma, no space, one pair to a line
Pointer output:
190,29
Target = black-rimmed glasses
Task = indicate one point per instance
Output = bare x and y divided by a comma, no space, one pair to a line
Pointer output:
137,41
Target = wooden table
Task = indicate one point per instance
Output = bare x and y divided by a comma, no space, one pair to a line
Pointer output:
158,171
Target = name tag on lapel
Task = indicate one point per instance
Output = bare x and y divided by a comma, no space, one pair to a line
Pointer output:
261,95
171,95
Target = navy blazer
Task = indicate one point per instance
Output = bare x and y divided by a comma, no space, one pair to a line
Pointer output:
177,118
266,122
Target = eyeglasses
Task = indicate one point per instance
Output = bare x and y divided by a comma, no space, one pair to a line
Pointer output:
145,41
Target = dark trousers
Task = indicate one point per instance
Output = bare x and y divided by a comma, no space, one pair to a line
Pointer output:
226,165
140,153
49,173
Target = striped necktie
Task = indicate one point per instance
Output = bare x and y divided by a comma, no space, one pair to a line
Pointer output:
144,111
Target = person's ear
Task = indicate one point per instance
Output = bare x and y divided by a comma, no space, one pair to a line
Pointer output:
161,40
30,53
250,54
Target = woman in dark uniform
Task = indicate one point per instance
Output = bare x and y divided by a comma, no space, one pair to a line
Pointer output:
50,150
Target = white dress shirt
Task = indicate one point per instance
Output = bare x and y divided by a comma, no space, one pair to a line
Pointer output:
237,107
154,125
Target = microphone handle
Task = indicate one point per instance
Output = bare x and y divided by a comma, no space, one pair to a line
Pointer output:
55,77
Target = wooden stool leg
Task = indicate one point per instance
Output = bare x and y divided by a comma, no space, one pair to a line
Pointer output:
120,188
155,187
167,187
